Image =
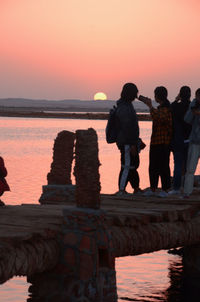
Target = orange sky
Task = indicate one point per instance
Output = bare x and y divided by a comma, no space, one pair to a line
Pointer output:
58,49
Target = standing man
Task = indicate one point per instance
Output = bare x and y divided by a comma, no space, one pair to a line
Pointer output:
193,117
180,138
160,142
128,139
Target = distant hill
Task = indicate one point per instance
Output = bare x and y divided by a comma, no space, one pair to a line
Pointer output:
68,105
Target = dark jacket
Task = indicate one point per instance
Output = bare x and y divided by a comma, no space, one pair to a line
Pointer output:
181,129
3,173
127,124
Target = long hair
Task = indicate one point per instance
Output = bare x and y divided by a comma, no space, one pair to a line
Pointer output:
129,92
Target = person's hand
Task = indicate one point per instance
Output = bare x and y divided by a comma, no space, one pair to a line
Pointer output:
148,102
133,150
177,98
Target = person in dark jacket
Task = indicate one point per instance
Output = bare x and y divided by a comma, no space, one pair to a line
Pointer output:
3,183
180,139
128,139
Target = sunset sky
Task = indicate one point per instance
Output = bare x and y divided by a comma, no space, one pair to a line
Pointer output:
71,49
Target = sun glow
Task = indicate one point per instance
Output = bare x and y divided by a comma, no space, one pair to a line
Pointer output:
100,96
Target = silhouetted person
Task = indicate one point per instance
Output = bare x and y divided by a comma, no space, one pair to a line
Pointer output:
180,140
128,139
192,116
160,142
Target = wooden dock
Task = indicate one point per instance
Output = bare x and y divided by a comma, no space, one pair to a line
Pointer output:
29,232
22,222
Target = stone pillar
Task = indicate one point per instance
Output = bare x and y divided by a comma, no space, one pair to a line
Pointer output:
86,169
62,159
58,194
60,189
86,269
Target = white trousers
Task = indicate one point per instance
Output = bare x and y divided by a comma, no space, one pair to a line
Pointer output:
192,161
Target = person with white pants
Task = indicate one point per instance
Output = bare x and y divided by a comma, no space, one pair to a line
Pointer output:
192,161
192,117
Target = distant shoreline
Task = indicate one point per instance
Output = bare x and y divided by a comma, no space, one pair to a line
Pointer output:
37,113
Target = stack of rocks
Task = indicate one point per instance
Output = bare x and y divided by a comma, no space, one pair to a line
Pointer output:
86,169
62,159
60,189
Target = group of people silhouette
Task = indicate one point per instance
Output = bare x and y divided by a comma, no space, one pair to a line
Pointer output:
175,128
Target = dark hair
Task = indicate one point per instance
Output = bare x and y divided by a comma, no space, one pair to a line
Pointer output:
196,105
185,93
129,92
161,93
197,91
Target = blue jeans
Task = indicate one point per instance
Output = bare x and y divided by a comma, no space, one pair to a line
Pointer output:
180,159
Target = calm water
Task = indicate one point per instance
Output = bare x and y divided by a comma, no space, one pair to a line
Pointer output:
26,145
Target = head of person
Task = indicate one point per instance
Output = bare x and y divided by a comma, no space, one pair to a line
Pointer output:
196,105
185,93
161,94
129,92
197,95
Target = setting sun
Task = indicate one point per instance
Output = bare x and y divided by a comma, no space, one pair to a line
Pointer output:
100,96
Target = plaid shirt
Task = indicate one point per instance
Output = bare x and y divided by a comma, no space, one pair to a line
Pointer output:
162,125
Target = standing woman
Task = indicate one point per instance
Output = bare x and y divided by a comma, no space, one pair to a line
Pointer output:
180,140
128,139
160,142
